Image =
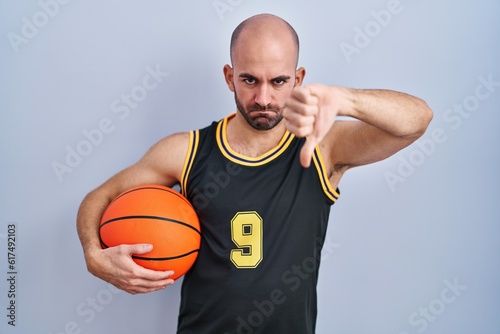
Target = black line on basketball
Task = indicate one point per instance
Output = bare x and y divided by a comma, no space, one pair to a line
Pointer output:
150,217
102,242
164,258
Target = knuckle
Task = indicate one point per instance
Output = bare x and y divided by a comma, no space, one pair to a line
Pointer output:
133,283
305,122
134,273
120,249
302,125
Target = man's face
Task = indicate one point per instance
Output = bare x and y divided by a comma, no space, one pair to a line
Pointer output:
260,101
262,78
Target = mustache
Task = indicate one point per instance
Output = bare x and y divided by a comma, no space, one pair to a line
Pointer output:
258,107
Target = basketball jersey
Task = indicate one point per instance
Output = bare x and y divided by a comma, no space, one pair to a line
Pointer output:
263,222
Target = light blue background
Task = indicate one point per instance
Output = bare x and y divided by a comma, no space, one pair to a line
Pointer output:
392,249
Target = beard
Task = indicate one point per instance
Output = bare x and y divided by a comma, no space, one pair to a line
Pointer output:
260,117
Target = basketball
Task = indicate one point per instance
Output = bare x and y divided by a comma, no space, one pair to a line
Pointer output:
156,215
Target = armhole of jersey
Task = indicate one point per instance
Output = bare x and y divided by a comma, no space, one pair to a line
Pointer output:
332,194
194,138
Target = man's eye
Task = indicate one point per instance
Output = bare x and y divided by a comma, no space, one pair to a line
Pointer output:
250,81
279,82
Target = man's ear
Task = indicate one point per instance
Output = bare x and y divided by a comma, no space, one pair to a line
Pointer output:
299,76
229,76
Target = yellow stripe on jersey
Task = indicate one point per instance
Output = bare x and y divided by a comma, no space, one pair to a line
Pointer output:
332,194
194,139
227,151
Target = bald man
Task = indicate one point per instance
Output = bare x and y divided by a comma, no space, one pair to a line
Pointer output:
277,161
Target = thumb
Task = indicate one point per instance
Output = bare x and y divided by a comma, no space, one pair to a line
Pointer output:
306,152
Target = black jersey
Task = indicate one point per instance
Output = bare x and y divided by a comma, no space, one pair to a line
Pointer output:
263,223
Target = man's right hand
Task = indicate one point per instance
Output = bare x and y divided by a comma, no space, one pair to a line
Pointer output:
116,266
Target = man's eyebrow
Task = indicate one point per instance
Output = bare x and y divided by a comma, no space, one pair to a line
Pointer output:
280,77
247,76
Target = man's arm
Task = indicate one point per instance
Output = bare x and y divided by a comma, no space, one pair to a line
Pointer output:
387,121
162,164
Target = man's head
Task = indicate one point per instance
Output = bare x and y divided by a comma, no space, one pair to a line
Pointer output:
264,57
266,21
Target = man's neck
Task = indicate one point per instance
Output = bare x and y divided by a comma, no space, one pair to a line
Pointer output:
251,142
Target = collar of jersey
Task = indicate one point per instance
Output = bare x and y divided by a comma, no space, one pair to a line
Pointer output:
241,159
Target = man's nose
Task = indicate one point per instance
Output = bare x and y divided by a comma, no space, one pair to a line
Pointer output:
263,95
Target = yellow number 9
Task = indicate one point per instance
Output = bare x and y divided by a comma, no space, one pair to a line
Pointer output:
246,233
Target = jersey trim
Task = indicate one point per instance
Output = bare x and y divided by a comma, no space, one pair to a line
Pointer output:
194,139
332,194
227,151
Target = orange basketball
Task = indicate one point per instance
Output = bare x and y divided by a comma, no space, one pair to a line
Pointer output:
156,215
